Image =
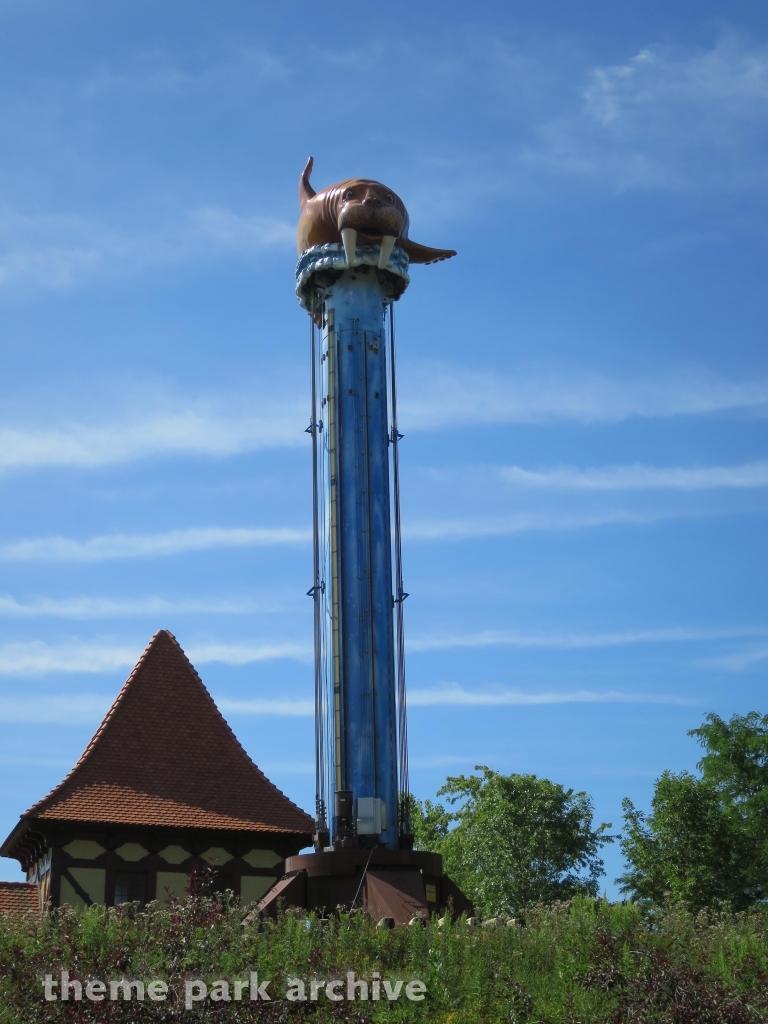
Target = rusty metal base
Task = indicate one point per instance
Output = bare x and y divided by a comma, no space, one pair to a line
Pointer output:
394,884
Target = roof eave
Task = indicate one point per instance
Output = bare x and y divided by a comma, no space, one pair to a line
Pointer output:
16,833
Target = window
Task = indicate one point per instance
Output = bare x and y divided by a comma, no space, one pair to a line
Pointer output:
130,887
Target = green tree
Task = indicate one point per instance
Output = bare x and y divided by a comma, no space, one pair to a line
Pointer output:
513,840
736,763
706,838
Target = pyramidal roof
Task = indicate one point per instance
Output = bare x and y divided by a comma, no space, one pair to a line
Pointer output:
164,756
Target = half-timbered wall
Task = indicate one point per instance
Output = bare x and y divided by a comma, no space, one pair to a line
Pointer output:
116,868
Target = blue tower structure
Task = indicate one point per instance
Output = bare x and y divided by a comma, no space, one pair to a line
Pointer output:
361,748
354,259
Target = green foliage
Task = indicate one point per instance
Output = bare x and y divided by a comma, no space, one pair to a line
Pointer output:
736,763
513,840
706,838
689,848
573,962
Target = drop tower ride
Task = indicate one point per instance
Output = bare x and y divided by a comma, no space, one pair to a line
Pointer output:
354,257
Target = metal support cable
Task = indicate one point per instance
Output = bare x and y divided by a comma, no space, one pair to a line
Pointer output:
400,594
316,591
326,630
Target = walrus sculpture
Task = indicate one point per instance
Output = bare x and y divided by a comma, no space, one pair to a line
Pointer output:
358,212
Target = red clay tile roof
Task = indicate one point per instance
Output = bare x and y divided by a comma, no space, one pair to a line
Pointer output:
164,756
18,897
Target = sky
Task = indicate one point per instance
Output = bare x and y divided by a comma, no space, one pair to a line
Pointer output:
583,389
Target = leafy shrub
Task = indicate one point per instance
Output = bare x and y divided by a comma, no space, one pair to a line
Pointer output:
580,961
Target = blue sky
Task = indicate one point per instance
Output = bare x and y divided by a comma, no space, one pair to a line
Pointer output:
584,389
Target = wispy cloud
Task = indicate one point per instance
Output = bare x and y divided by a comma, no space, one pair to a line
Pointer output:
738,661
159,73
568,641
433,397
31,761
234,232
148,545
526,522
272,768
156,545
72,709
190,432
451,694
60,251
91,707
77,708
36,658
637,477
289,708
666,118
443,761
82,607
436,395
247,654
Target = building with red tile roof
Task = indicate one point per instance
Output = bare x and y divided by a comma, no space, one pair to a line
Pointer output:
18,898
162,787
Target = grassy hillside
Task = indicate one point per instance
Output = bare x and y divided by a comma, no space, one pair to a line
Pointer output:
585,961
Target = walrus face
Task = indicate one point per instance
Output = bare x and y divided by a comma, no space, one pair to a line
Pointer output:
371,209
358,206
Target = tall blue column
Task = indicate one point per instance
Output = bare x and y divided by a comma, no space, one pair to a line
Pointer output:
351,304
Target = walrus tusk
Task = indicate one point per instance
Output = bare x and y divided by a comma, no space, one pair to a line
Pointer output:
349,238
387,245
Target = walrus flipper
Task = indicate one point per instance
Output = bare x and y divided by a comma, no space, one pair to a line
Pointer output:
423,253
306,192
